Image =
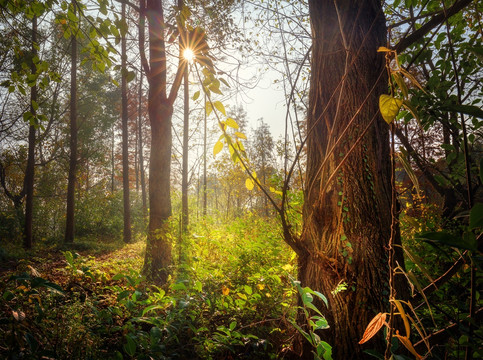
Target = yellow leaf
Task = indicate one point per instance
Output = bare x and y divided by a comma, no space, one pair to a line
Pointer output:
218,147
240,135
374,326
261,286
249,184
225,291
389,107
403,316
383,49
231,123
219,106
208,108
408,345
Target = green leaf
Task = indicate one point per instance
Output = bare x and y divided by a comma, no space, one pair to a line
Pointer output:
476,216
389,107
448,239
130,76
231,123
219,106
401,84
465,109
151,308
232,325
217,148
249,184
196,95
130,346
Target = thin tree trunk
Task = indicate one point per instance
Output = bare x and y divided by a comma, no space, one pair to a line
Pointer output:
69,225
141,153
184,180
30,172
204,164
347,209
125,153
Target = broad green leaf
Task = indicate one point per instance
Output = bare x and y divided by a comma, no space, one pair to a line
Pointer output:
219,106
448,239
196,95
130,76
130,346
232,325
249,184
218,147
231,123
465,109
389,107
476,216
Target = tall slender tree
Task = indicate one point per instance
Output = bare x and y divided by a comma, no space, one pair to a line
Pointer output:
184,175
30,173
125,145
69,225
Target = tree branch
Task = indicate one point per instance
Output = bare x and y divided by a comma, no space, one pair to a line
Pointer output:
439,337
404,43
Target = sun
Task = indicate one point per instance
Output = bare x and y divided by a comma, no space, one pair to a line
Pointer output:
188,54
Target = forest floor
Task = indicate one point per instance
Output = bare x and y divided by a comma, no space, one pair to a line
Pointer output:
233,298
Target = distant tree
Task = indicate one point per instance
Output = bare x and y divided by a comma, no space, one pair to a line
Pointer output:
125,117
69,225
262,156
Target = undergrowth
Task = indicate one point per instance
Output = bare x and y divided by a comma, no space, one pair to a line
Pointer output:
231,297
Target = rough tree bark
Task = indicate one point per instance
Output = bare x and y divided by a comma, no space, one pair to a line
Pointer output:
347,210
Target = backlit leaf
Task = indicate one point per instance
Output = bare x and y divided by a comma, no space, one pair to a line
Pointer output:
249,184
240,135
196,95
374,326
408,345
389,107
225,291
231,123
383,49
219,106
208,108
218,147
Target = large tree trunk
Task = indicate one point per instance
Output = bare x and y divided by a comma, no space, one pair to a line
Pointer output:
29,174
158,251
125,153
69,225
347,210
